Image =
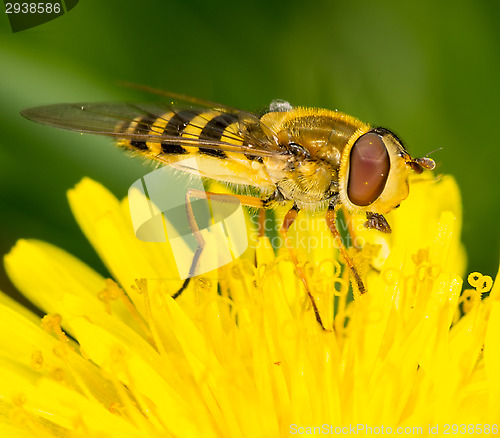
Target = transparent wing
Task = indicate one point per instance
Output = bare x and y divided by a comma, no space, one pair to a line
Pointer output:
114,119
180,100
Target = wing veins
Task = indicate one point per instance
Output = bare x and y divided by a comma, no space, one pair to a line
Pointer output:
104,119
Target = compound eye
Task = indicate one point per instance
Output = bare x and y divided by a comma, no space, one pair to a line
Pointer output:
368,169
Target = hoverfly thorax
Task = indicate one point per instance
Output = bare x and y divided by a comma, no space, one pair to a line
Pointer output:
322,134
311,140
374,172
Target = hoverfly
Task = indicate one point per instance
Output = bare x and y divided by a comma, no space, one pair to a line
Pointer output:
314,159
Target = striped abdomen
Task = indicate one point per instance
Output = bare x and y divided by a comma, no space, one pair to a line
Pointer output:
190,124
218,162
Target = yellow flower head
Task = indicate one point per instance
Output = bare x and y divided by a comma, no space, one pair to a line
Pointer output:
240,353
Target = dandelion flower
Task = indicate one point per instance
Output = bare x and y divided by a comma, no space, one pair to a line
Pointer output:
240,353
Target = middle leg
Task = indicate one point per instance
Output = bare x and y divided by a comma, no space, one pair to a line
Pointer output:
287,223
331,217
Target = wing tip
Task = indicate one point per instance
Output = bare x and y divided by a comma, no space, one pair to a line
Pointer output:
51,115
35,114
27,113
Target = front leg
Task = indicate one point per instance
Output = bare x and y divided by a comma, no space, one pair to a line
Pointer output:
287,223
331,217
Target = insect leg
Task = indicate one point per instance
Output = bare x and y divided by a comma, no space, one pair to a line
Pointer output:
331,216
197,235
183,287
249,201
287,223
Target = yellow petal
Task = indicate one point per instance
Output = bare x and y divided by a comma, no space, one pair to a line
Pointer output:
241,354
107,225
45,274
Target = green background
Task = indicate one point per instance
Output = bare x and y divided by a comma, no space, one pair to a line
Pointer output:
429,71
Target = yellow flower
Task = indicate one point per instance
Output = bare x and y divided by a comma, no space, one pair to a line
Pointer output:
240,354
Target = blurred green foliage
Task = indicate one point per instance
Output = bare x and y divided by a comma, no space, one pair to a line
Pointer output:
428,70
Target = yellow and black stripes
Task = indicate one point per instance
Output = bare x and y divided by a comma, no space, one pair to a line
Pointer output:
174,128
183,124
142,127
214,130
